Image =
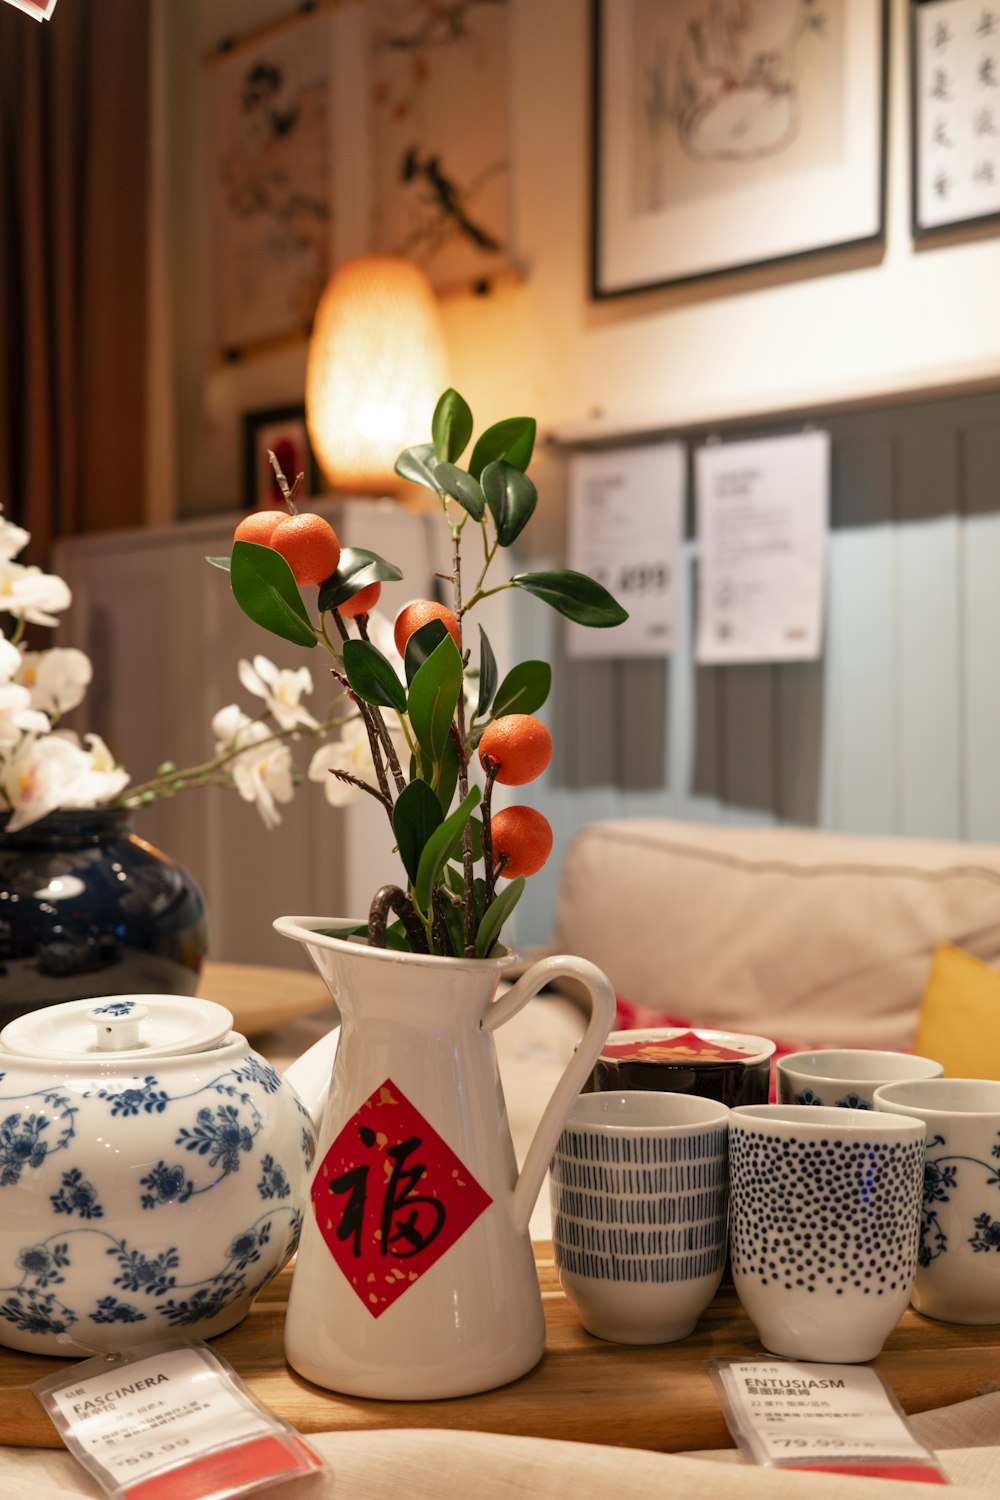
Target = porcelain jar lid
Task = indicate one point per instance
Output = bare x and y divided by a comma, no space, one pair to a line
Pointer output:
118,1026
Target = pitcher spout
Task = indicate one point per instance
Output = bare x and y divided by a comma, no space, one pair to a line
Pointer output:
309,1075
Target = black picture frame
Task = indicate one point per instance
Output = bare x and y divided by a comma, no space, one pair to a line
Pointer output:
954,165
703,218
283,430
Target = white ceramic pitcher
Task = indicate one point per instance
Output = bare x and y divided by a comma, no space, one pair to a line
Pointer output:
415,1276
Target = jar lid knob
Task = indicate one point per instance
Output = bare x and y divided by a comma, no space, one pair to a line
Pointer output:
118,1024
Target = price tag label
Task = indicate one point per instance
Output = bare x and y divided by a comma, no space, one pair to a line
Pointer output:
140,1420
626,529
828,1416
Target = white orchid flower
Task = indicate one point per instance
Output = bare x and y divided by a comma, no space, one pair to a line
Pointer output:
10,660
30,594
13,539
280,689
382,637
101,779
351,753
228,725
17,717
57,679
261,772
41,776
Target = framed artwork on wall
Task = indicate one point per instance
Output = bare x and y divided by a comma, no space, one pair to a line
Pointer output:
733,133
282,430
955,113
440,137
270,189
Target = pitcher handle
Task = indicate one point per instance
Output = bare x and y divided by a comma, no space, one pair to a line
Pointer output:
547,1132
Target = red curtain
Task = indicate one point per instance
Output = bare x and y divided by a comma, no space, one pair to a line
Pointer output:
74,132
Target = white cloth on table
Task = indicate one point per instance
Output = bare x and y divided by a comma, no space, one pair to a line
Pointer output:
433,1464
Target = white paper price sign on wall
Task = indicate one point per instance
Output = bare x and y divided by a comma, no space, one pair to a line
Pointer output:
626,529
762,521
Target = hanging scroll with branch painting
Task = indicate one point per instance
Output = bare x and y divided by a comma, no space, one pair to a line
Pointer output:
270,163
731,133
440,147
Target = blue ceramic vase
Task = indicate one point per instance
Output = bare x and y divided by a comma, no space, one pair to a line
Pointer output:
87,908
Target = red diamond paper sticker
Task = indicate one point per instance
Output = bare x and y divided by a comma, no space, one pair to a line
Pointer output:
685,1046
390,1197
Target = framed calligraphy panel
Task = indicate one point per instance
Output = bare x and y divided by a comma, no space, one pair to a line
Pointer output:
955,113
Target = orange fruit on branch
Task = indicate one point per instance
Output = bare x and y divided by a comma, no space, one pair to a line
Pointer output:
524,836
362,602
309,545
259,526
520,745
421,612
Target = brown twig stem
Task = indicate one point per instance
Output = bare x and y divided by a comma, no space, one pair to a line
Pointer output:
380,725
468,905
288,491
492,767
363,786
391,898
367,719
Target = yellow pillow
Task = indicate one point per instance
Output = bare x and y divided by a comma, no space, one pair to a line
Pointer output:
959,1021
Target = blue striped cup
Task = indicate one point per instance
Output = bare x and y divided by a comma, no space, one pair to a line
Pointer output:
639,1187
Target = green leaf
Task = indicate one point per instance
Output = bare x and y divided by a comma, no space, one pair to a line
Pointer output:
414,818
433,696
372,677
417,464
512,439
451,426
440,848
574,595
220,562
511,497
395,935
447,773
420,645
496,916
524,689
488,674
356,570
265,589
463,488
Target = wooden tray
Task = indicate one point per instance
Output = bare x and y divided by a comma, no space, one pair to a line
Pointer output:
583,1389
260,998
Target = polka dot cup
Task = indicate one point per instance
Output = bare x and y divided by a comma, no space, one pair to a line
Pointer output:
825,1222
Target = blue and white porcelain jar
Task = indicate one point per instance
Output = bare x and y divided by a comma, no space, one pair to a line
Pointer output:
152,1170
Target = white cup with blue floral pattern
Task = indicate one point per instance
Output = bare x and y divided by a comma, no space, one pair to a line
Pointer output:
845,1077
639,1188
825,1215
958,1259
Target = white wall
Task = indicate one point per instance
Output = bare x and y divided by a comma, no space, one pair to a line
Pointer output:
820,333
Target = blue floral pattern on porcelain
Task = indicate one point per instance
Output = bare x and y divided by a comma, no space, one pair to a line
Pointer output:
78,1270
942,1174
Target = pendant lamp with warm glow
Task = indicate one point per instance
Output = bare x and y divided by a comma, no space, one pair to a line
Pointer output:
375,370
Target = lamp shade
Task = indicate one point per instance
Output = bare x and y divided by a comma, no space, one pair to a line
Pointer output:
375,370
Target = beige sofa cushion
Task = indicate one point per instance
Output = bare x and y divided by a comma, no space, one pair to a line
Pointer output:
789,933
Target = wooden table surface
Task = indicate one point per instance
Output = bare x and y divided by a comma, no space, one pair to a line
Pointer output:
583,1389
261,998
